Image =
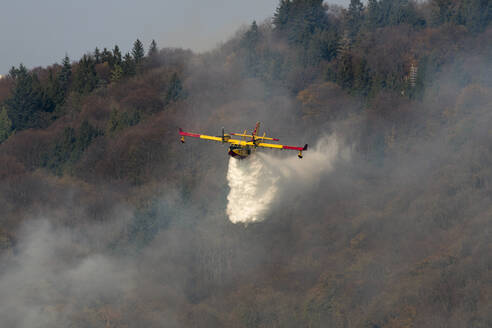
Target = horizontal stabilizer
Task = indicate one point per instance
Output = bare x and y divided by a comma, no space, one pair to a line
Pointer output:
256,137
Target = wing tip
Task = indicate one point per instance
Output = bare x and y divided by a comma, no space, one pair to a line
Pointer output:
305,147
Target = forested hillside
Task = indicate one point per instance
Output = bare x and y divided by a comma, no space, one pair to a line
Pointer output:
106,220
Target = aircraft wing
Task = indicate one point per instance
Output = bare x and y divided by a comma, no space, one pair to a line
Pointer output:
267,145
201,136
227,138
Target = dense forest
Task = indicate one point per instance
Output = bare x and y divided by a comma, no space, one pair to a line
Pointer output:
106,220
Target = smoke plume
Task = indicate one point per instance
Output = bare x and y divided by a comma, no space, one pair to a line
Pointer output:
255,183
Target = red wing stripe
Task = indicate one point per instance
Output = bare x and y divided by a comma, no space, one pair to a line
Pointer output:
189,134
293,148
275,139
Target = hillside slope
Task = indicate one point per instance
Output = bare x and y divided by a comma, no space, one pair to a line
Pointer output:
106,220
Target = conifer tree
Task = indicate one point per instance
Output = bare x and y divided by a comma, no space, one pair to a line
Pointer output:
116,73
128,65
113,122
61,84
24,104
5,124
249,43
86,78
86,134
138,52
299,19
116,56
373,14
106,56
282,14
66,72
153,50
97,55
175,90
354,17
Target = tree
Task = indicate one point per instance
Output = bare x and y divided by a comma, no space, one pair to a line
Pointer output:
475,14
138,52
24,104
97,55
153,56
62,151
153,50
373,14
175,90
249,43
116,56
322,46
298,20
116,73
5,124
86,78
106,56
442,11
282,14
119,121
395,12
128,65
65,73
86,134
61,83
354,17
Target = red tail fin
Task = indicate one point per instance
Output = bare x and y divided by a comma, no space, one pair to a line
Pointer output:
256,129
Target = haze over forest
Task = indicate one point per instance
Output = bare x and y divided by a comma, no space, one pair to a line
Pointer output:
107,220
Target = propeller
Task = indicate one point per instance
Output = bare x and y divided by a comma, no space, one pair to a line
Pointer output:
224,136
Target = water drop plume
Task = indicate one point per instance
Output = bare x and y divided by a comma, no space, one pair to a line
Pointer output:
256,182
252,189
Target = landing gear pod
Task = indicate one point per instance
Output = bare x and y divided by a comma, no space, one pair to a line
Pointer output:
300,151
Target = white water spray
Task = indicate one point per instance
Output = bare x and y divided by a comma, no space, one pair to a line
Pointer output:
252,189
257,181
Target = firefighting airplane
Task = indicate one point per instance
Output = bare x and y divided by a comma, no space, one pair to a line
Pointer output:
241,149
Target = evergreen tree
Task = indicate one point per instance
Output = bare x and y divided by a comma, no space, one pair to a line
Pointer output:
116,74
65,73
119,121
113,122
24,104
373,14
106,56
138,52
61,83
5,124
298,20
86,134
128,65
86,78
475,14
354,18
117,60
97,55
322,46
251,37
153,50
282,15
62,151
45,92
175,90
249,43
